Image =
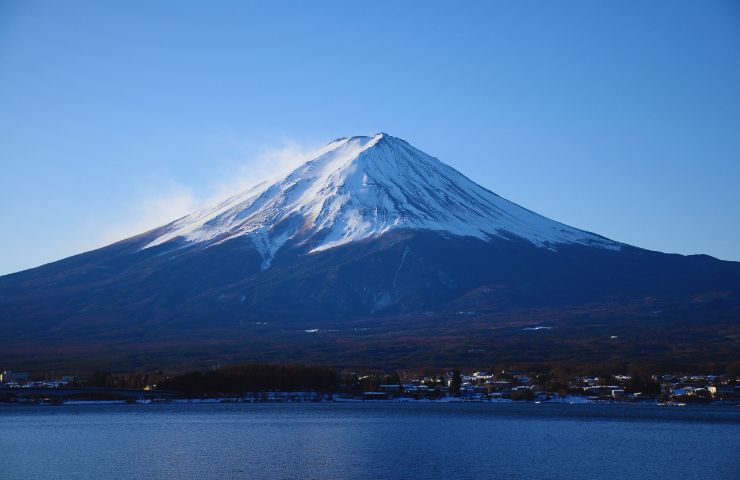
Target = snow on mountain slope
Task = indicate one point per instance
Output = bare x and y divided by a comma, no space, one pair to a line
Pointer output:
360,187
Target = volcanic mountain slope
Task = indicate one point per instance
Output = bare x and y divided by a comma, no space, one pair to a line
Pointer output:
363,187
370,246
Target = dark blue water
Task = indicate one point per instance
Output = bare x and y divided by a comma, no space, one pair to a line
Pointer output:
369,441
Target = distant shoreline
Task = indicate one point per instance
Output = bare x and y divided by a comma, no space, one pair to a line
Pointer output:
310,398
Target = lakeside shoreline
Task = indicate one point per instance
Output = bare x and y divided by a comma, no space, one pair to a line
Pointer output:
312,398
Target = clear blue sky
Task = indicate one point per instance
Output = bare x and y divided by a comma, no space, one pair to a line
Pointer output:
622,118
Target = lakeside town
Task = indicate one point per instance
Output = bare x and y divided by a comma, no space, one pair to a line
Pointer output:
454,385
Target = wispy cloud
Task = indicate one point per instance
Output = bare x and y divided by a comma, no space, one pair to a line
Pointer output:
265,163
151,208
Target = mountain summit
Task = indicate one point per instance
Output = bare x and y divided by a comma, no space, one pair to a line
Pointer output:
363,187
371,253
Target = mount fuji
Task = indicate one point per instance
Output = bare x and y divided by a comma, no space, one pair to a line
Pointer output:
363,187
371,252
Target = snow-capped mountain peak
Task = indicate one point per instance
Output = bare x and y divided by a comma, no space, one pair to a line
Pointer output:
361,187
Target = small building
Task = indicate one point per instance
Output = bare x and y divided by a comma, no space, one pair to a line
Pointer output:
722,391
498,385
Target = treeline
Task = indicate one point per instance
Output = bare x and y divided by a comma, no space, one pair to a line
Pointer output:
135,380
553,377
239,379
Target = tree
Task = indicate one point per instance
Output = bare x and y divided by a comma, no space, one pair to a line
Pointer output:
522,394
456,382
642,382
100,379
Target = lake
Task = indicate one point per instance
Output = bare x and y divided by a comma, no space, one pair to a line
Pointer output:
369,441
